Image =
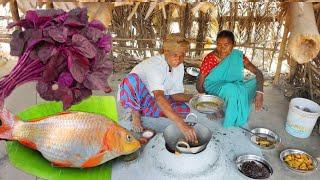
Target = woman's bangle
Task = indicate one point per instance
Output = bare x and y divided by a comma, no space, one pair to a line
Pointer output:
260,92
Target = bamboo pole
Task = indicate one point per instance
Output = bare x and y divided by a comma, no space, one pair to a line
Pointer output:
183,13
207,49
253,52
134,10
275,44
263,56
281,54
14,11
157,49
203,29
151,7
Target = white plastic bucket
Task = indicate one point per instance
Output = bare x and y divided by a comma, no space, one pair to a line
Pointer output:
302,116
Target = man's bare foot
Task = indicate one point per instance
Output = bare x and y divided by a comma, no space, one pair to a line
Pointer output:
136,121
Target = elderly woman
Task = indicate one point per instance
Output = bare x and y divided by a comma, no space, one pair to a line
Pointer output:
221,74
154,88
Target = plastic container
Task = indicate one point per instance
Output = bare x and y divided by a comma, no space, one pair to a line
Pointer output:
302,116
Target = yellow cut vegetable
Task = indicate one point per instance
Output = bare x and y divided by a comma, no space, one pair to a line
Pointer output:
299,161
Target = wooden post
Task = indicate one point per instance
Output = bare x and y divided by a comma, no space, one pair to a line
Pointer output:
310,80
293,67
275,44
281,54
14,11
203,25
253,52
264,45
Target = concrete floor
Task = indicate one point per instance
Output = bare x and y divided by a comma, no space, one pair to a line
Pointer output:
273,117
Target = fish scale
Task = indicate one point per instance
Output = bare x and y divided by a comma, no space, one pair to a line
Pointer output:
60,142
75,139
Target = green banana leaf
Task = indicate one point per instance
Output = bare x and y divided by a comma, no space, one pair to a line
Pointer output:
32,162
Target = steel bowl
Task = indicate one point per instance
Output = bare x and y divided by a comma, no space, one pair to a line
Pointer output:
193,71
263,132
297,151
205,98
257,159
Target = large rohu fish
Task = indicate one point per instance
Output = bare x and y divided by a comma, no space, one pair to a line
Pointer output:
74,139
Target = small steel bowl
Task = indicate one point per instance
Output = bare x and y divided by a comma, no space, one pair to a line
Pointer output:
257,159
263,132
297,151
196,100
193,71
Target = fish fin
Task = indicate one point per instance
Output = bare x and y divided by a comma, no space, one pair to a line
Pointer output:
7,120
42,118
28,143
58,163
64,113
38,119
94,160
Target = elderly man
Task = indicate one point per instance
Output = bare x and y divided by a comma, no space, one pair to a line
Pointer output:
154,88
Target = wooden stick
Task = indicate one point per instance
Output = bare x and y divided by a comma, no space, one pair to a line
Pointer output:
281,54
14,10
151,8
164,10
134,10
315,70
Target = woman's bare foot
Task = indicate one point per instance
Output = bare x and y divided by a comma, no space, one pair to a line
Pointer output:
216,116
136,121
220,114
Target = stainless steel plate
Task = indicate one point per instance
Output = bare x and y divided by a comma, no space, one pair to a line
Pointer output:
257,159
263,132
297,151
216,103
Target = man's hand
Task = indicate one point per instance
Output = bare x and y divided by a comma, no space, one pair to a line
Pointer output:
259,101
188,132
164,105
181,97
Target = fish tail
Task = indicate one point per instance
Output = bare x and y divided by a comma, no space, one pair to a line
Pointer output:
7,120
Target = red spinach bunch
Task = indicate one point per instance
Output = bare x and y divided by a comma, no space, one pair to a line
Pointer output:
63,52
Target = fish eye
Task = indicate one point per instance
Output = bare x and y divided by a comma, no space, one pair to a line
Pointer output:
129,138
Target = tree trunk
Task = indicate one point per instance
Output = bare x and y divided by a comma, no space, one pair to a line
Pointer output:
304,41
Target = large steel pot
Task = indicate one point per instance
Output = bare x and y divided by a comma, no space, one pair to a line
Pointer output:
175,140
